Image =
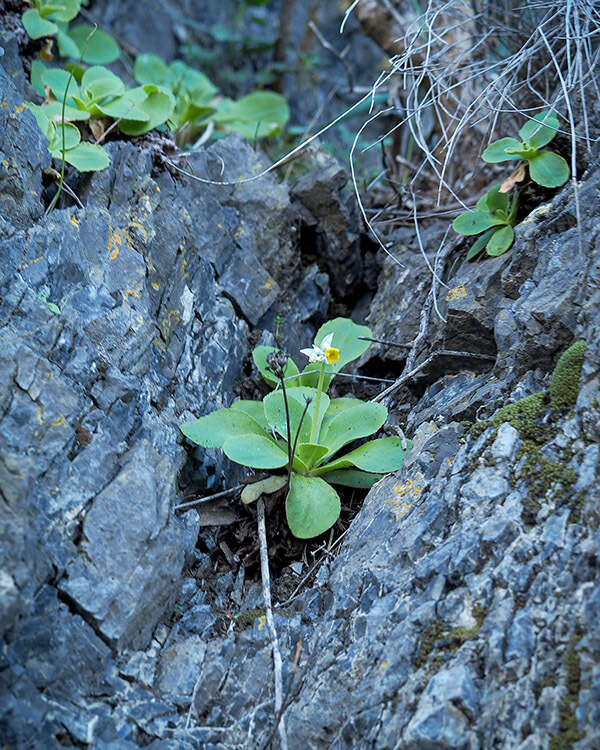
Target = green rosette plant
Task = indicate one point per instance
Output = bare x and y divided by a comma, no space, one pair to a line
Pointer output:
545,167
297,427
495,216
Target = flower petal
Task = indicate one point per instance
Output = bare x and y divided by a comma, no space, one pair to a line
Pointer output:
326,343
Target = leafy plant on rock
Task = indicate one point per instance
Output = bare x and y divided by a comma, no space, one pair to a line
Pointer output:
260,114
298,428
495,216
50,18
545,167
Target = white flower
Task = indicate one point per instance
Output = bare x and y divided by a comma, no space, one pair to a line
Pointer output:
323,353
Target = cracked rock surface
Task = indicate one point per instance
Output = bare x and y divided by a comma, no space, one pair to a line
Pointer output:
463,607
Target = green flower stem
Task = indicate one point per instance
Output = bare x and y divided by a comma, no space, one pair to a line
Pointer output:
313,429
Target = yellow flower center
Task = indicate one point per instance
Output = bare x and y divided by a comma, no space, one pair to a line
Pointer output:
332,354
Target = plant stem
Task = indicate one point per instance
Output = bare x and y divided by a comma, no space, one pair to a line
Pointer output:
62,124
313,429
289,430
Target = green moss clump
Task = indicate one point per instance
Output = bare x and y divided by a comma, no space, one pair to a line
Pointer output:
569,732
428,639
564,385
523,415
437,637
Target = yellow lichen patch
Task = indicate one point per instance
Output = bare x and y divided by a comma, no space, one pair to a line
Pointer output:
172,318
159,344
184,274
383,666
57,422
261,622
145,201
114,242
74,222
25,264
39,415
141,229
539,211
404,493
269,283
20,107
5,163
130,292
154,286
457,293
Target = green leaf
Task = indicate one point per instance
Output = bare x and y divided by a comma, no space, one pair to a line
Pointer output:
37,71
276,417
215,428
61,10
256,451
254,409
258,115
36,26
500,241
101,48
546,125
311,507
496,201
57,79
42,119
474,222
157,106
345,338
66,46
496,151
98,82
310,453
480,243
353,478
88,157
51,305
53,111
150,69
377,456
72,136
549,169
259,355
128,105
362,420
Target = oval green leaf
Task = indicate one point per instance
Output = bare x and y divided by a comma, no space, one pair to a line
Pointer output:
157,106
150,69
66,46
36,26
474,222
480,243
362,420
353,478
500,241
258,115
549,169
215,428
496,151
496,201
254,409
101,47
256,451
311,507
88,157
540,130
377,456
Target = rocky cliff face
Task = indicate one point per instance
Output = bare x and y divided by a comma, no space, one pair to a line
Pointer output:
462,610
